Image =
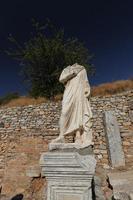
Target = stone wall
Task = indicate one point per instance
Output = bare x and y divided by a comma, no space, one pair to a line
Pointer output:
26,131
122,107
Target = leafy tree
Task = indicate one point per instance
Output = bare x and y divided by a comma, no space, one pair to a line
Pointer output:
44,56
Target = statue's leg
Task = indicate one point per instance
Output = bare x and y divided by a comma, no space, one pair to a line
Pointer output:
78,139
61,137
87,136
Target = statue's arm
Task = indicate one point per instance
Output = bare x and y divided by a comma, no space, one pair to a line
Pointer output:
66,75
87,89
87,86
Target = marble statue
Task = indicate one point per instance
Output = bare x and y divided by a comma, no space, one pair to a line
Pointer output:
69,167
76,111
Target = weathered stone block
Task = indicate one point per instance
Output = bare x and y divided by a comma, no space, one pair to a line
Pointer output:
122,183
69,175
131,115
114,140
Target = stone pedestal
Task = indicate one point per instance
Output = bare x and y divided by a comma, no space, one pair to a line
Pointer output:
68,174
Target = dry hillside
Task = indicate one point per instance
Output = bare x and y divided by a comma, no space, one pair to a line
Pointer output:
100,90
112,88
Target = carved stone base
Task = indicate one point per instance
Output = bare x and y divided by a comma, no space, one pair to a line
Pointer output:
69,175
68,146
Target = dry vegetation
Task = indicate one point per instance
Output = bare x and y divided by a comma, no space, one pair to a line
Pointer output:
112,88
25,101
100,90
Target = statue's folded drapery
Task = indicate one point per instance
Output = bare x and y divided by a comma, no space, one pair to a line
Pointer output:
76,112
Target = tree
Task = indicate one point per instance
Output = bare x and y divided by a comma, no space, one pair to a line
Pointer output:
44,56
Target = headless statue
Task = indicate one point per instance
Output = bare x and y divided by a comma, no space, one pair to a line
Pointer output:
76,112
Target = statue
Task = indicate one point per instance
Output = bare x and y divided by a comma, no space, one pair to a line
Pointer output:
76,112
69,167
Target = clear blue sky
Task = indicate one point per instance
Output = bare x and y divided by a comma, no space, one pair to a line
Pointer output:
106,28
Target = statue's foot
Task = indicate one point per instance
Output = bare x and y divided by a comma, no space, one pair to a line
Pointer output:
59,139
87,139
78,142
87,143
78,138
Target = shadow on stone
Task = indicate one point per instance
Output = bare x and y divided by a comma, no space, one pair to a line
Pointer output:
93,190
18,197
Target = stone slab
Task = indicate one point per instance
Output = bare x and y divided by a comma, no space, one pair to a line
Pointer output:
131,196
70,147
122,183
68,174
116,153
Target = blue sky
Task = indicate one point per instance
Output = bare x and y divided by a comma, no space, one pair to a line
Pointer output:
106,28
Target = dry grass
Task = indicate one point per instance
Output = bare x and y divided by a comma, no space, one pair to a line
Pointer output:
112,88
25,101
107,88
100,90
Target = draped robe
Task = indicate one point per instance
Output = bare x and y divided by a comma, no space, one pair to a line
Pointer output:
76,111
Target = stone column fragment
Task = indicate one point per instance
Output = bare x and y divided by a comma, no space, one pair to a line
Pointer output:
116,153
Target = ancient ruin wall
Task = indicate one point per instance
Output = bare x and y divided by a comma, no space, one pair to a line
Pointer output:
25,132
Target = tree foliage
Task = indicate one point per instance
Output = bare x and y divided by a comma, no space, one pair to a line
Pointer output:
44,56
